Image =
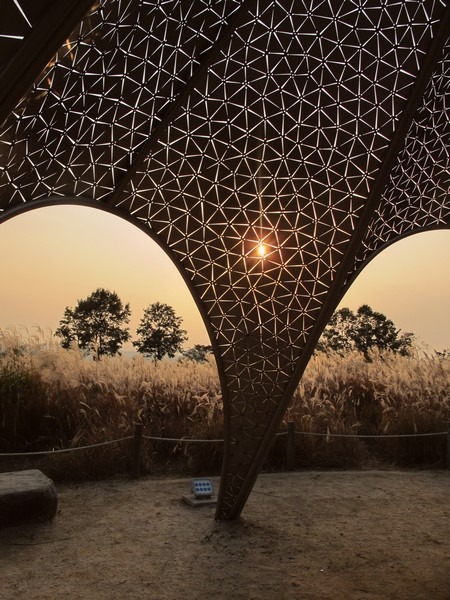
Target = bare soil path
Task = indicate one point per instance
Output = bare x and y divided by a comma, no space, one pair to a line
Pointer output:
369,535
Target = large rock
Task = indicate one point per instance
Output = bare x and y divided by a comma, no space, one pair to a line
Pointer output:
26,497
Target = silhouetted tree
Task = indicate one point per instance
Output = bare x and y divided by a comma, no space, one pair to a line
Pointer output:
96,325
198,353
159,332
363,331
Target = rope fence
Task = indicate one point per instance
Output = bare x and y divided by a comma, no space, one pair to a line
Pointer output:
362,435
181,440
64,450
291,433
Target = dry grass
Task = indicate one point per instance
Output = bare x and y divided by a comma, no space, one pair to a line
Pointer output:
390,395
53,398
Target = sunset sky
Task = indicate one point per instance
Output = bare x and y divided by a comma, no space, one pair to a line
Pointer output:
52,257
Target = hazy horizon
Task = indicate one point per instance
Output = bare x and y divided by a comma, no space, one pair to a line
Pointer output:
55,256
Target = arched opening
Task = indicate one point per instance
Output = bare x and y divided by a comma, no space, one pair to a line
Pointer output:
55,256
356,395
408,282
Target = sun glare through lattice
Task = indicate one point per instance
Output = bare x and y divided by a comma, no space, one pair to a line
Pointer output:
262,250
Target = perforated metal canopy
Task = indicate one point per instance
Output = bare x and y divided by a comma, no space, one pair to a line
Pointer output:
271,147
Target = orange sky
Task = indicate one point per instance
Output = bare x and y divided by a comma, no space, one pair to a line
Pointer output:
52,257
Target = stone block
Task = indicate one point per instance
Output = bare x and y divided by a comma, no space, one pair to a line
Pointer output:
26,497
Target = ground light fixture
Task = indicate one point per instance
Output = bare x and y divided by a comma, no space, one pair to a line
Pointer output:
202,493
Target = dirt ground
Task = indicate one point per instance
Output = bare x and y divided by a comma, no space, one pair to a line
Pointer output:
310,535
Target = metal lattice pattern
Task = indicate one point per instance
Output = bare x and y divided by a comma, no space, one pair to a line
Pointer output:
16,23
413,200
249,138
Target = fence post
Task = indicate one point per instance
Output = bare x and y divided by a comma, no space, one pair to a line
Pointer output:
448,444
136,452
290,446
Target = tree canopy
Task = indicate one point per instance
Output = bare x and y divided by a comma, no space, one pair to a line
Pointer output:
97,324
364,331
159,332
198,353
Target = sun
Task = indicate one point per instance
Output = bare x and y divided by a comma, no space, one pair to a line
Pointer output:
262,250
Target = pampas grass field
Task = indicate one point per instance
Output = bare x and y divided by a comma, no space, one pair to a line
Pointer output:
51,399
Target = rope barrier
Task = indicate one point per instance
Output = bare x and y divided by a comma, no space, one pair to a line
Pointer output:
197,441
185,440
362,435
63,450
